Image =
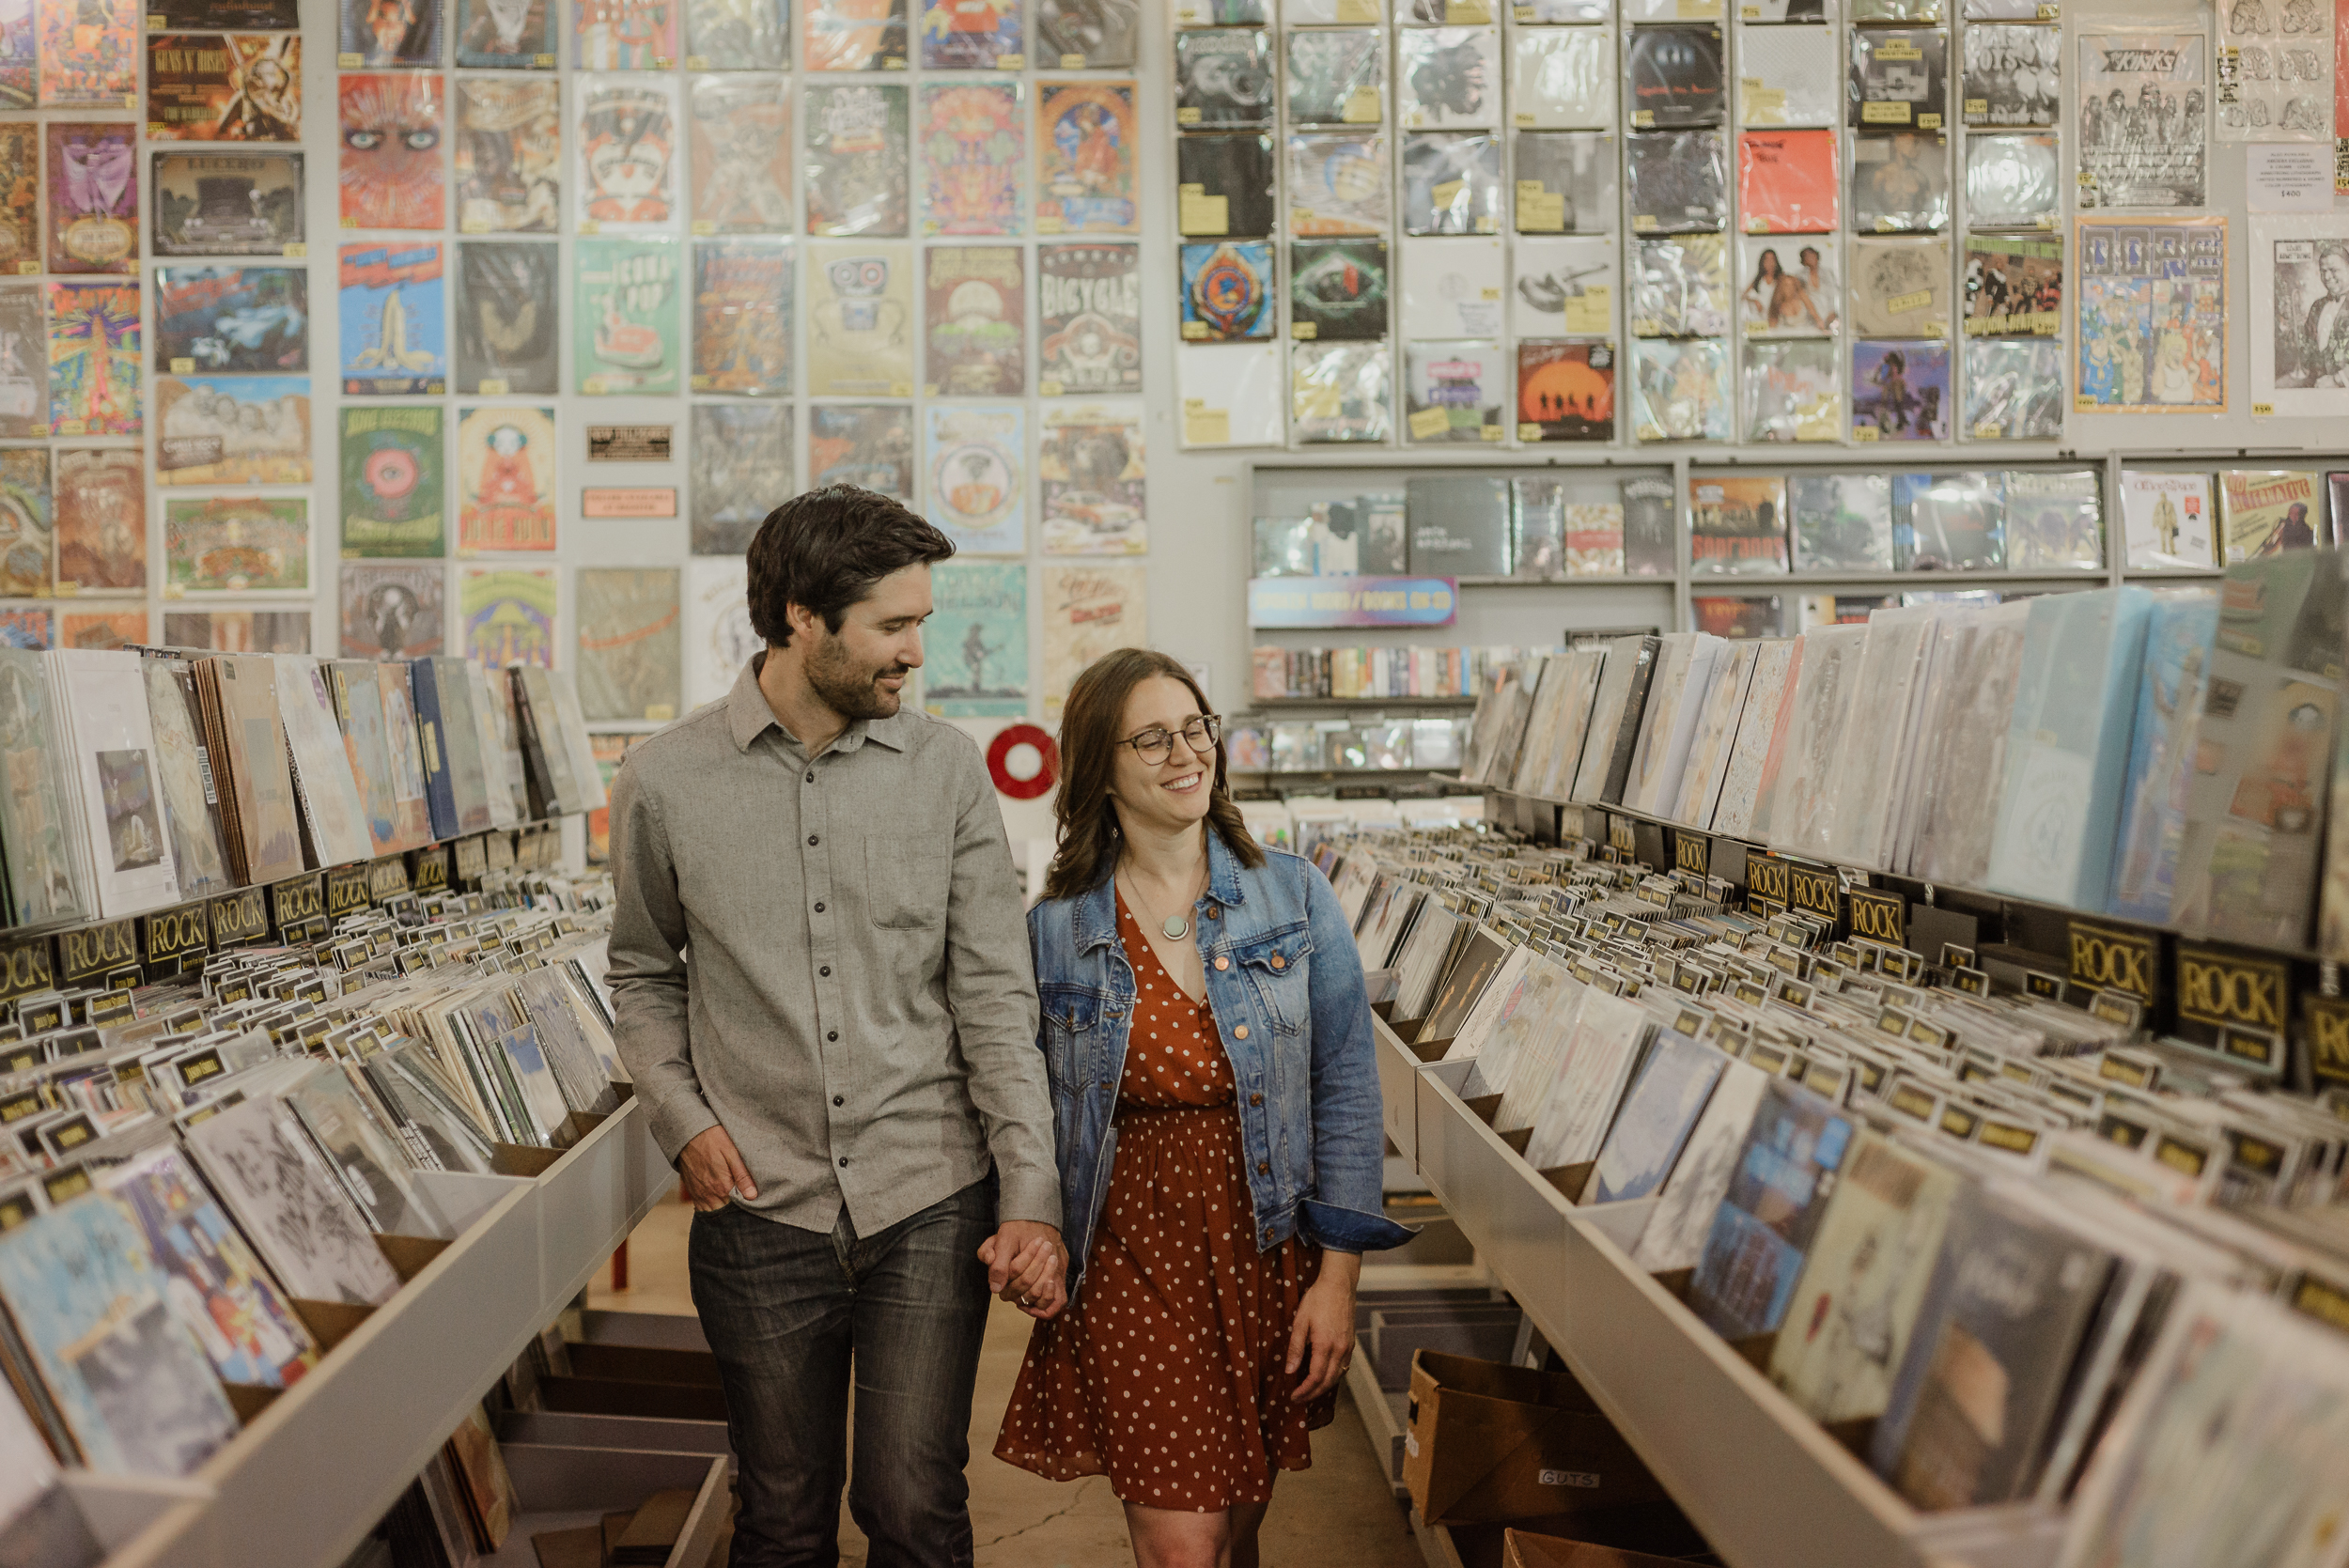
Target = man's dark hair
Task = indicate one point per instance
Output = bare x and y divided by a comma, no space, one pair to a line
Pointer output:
823,551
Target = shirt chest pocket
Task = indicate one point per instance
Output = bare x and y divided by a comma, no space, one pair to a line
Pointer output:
1276,966
906,887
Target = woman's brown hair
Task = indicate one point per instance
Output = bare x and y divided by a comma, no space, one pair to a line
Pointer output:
1089,719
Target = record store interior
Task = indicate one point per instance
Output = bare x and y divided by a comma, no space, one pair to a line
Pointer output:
1723,546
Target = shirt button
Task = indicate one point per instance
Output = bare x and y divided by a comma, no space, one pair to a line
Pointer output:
811,840
839,1100
820,905
825,972
1279,962
811,778
1223,963
1255,1099
843,1159
832,1035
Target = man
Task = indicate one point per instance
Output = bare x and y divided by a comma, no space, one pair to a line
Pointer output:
2324,330
846,1072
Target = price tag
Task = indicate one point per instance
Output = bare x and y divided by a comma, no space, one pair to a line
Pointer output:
296,250
1883,114
1011,62
1196,212
1429,423
1540,210
182,365
494,386
1193,332
1528,430
1864,432
1318,399
29,269
1304,332
1362,108
697,62
589,225
1447,192
1493,433
1188,114
1072,62
2262,410
1205,427
1989,430
1050,226
1047,389
348,61
702,225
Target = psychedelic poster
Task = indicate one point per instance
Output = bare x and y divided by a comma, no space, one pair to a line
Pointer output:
111,628
630,644
389,35
628,141
977,641
1095,496
507,319
101,519
510,155
509,615
94,359
869,445
395,336
1085,154
232,429
20,196
391,151
223,87
392,609
506,35
977,466
857,181
30,628
228,204
505,480
742,317
90,54
393,496
860,321
28,537
1088,320
93,198
974,302
854,34
18,61
2151,300
235,630
971,35
973,141
231,318
626,35
741,471
24,361
741,131
241,544
625,325
738,35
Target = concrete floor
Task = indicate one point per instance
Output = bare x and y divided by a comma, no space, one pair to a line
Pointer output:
1339,1513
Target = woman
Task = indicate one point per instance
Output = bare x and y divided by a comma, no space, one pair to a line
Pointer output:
1221,1178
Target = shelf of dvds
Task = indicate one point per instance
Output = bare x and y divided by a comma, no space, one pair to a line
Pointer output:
311,1473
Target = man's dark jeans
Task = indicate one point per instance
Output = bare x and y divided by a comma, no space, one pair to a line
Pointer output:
786,1310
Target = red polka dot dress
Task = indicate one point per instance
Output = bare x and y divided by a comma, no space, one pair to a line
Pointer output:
1168,1371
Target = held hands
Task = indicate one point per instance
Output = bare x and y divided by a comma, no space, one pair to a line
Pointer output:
713,1170
1322,1344
1027,1265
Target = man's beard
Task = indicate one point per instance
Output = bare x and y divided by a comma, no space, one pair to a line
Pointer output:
848,688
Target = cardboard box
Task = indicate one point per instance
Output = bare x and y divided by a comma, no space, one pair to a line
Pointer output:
1520,1549
1491,1443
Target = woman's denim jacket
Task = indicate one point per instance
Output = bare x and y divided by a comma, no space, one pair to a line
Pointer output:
1286,983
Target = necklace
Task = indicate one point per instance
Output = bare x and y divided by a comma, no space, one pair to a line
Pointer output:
1175,926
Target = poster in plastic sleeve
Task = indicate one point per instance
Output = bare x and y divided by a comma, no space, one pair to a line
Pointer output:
1901,390
1336,77
1565,182
2152,323
20,194
974,462
20,57
1788,286
1455,392
624,35
1095,500
2014,75
505,318
1682,289
2011,182
510,155
1088,320
1566,392
393,481
32,629
2054,521
2144,119
2275,67
1338,290
2300,315
1900,182
380,37
394,333
1088,35
625,323
1337,185
217,204
218,631
2013,389
974,158
974,308
1451,184
720,640
741,471
977,641
1563,79
232,429
1227,290
972,34
741,127
1674,76
1448,78
505,459
1900,79
2167,519
738,35
1788,76
1562,287
93,198
853,35
629,136
742,317
508,615
2013,286
1453,288
90,54
857,160
245,544
223,87
1234,394
861,322
1088,611
1224,79
101,521
1085,149
1787,182
390,165
1792,389
1900,288
94,359
869,445
1342,392
24,363
392,609
629,636
507,34
1677,181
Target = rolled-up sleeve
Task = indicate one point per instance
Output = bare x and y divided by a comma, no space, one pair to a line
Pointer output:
991,987
650,998
1349,1136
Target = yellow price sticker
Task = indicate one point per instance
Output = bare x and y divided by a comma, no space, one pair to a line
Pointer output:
1205,427
1072,62
697,62
182,365
1011,62
494,386
1195,331
1528,430
1492,433
1305,332
297,250
1047,389
348,61
1989,430
2263,409
1429,423
1050,226
1865,432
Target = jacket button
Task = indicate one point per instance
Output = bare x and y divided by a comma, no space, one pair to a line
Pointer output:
1223,963
1255,1099
1279,962
1263,1168
1213,913
1240,1034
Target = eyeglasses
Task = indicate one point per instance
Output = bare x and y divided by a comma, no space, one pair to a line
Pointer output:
1157,743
